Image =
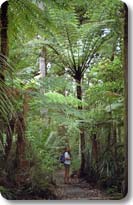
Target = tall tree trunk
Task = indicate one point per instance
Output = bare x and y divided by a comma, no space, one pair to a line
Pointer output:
82,134
126,94
4,54
4,37
43,62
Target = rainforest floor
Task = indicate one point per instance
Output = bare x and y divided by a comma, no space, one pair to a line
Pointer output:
77,190
80,190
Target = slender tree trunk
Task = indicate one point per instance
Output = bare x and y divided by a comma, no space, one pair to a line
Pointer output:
43,62
95,150
82,134
114,148
108,138
119,134
126,95
4,37
20,130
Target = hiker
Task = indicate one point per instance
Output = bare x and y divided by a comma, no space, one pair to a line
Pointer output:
67,162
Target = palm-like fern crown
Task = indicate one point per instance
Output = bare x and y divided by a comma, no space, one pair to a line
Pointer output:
72,31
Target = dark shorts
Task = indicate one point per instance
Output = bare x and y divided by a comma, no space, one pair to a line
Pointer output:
67,165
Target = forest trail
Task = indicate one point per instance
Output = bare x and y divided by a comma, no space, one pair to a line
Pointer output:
77,191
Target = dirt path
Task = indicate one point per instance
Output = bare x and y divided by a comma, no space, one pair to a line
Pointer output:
77,190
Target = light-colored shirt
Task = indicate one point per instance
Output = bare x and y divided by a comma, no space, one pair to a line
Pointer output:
67,158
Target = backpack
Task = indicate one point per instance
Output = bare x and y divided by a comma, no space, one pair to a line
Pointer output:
62,158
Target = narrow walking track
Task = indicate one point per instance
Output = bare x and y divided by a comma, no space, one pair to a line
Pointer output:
76,191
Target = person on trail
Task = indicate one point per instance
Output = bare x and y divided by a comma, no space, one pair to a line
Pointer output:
67,162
